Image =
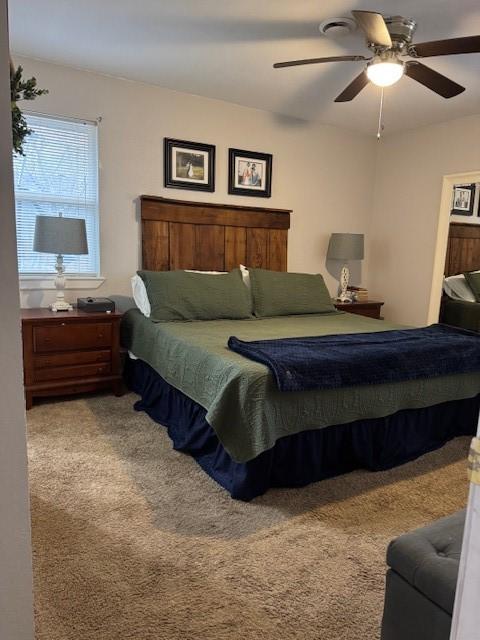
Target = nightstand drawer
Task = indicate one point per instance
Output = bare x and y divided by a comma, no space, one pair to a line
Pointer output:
369,308
370,312
75,357
78,371
68,336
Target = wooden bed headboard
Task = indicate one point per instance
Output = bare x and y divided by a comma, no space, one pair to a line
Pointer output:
178,234
463,249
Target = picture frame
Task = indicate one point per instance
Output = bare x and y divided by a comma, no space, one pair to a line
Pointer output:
249,173
463,199
189,165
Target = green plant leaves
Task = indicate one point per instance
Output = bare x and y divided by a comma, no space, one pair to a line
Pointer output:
21,89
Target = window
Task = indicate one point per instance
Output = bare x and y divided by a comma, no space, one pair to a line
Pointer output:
58,173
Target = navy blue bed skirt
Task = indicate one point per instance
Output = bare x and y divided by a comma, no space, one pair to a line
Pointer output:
305,457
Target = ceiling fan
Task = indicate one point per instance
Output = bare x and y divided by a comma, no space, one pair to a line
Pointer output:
390,39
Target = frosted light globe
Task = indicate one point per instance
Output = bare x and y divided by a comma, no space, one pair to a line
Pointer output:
383,73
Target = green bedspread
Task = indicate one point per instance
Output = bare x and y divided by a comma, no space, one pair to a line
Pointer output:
244,407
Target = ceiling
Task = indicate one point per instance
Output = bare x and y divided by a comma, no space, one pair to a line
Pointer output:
224,49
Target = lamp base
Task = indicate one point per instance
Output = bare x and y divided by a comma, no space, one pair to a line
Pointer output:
344,279
60,305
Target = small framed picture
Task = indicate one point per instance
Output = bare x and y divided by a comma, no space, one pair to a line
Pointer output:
189,165
249,173
463,200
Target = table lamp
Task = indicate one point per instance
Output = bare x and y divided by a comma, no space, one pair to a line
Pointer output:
345,247
60,236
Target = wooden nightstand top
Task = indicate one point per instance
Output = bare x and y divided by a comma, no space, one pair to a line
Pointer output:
361,303
45,315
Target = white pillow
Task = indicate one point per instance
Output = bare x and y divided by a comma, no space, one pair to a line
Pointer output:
456,287
211,273
245,275
140,295
243,270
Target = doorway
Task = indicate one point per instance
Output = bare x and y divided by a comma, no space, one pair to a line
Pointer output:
443,230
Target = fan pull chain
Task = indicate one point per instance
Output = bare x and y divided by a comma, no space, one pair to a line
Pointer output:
381,126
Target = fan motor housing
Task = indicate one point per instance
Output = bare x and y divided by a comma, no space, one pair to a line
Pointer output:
401,29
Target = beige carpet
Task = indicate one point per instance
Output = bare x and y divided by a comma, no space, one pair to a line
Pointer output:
133,541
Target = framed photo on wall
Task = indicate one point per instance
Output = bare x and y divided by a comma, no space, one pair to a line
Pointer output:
189,165
463,200
249,173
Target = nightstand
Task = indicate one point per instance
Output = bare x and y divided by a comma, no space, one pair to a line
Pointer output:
70,352
369,308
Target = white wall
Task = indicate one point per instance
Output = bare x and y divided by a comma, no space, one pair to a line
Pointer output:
332,179
403,226
16,608
322,173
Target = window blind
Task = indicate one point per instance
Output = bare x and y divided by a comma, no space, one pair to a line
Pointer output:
58,173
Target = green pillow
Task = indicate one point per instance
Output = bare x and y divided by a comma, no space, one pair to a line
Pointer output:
182,295
276,293
473,281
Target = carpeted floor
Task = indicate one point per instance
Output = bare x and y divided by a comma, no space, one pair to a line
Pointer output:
133,541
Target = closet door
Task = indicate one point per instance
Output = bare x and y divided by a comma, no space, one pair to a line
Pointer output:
466,613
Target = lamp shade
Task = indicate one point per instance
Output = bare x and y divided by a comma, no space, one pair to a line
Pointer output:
345,246
61,236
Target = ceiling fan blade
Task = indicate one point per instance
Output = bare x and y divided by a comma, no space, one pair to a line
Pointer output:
432,79
295,63
353,88
374,27
453,46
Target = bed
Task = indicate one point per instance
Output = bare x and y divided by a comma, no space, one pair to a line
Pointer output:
463,254
460,313
226,411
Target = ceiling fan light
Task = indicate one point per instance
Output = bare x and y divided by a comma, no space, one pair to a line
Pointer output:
384,74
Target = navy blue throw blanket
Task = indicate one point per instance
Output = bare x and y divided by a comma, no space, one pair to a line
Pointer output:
331,362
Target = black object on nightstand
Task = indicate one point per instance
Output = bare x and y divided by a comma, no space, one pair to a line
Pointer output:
95,305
